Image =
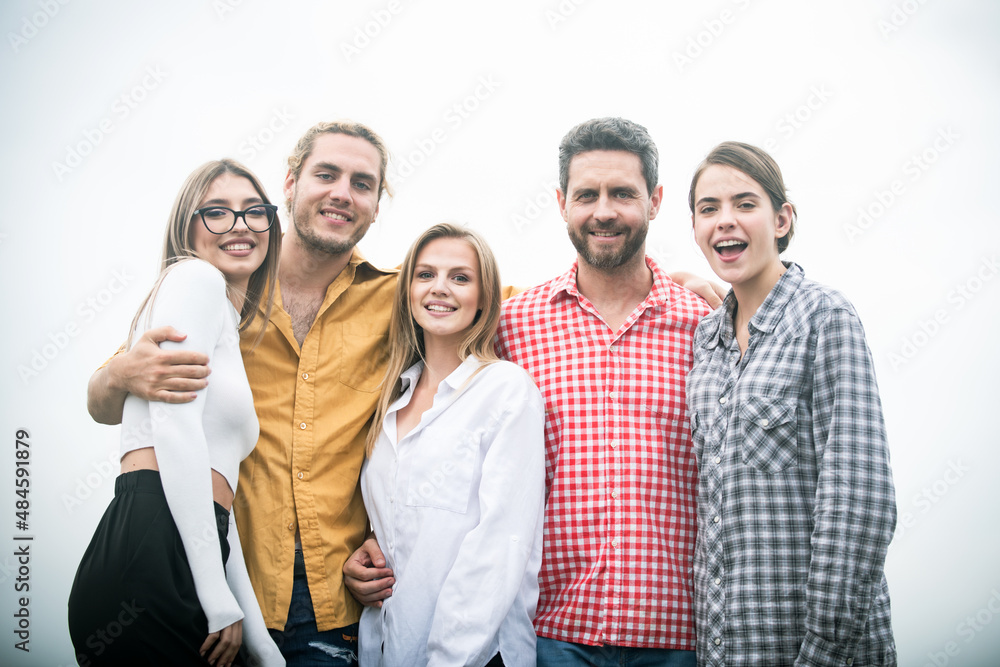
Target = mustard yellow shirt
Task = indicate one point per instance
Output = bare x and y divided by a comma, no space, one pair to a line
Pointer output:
315,406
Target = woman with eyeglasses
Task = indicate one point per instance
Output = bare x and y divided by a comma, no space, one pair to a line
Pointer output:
163,580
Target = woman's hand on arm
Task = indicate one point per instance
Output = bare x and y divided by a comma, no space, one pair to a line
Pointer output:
366,576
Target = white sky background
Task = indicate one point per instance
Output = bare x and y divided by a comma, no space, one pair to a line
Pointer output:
847,98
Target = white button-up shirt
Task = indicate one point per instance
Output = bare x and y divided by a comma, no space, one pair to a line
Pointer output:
457,507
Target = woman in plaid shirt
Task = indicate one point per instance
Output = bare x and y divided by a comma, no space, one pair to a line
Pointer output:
796,505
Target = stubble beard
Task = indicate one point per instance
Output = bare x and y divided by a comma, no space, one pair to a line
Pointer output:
608,261
314,241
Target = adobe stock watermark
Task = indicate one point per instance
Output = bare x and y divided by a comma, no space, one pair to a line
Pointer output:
102,638
796,119
930,495
133,437
454,117
365,34
912,170
957,298
33,23
224,7
256,142
544,200
703,40
86,311
561,12
968,629
899,16
121,108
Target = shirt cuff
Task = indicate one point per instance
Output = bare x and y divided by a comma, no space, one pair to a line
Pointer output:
818,652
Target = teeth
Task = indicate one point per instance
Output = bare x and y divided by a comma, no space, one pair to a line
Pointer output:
440,309
238,246
727,244
605,234
337,216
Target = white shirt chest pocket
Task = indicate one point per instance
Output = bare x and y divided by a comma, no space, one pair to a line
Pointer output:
441,475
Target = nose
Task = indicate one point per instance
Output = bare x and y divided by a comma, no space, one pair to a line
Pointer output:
727,217
241,223
440,285
339,190
605,210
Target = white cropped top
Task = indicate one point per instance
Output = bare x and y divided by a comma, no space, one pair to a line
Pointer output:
216,431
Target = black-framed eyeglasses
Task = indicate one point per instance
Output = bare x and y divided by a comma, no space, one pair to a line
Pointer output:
221,219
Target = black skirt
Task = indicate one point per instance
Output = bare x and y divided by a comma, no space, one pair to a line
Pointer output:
133,601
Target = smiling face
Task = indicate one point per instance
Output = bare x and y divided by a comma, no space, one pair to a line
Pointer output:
607,208
737,228
445,290
335,196
239,252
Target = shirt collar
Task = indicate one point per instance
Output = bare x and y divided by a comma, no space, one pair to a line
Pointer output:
455,380
770,312
357,259
719,327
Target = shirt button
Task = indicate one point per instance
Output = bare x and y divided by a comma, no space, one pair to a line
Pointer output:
763,422
717,641
716,520
614,494
614,443
291,526
614,543
723,400
718,459
305,376
613,395
611,347
302,425
301,475
850,661
718,581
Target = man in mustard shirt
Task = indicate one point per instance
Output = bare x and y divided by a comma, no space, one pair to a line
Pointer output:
314,378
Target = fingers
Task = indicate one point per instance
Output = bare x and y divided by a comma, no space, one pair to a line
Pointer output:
375,555
370,593
227,645
368,584
160,334
209,641
716,296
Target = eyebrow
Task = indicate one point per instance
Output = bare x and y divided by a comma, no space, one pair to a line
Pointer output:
329,166
454,268
716,200
223,202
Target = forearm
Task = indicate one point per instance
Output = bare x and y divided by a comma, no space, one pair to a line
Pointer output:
106,398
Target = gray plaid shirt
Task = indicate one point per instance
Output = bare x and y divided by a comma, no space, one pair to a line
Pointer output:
796,504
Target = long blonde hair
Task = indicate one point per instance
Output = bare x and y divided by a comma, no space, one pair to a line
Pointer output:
177,245
406,340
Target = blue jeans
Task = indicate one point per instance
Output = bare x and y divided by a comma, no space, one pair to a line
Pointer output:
555,653
301,643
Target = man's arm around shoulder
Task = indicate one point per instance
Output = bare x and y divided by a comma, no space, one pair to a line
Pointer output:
146,371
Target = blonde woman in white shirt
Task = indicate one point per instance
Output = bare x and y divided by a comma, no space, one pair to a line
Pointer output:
163,580
454,477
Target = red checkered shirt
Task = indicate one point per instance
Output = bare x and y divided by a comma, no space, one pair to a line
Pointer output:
620,472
